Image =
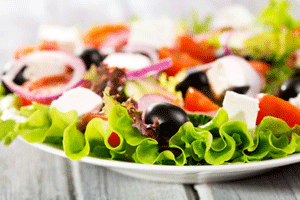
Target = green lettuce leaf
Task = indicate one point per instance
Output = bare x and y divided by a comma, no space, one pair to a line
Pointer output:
34,129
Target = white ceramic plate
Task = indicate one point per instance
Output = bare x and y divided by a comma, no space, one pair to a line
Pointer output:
181,174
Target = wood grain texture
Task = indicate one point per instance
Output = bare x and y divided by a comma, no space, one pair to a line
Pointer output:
29,173
281,183
101,183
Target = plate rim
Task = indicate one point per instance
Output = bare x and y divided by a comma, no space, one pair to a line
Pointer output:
259,165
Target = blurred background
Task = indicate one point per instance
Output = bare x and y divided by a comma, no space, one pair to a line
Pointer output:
20,19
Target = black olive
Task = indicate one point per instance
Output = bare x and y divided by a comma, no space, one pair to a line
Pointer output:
290,88
198,80
248,57
240,90
6,89
19,78
170,118
91,56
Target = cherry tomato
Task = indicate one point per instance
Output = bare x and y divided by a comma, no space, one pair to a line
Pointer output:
95,35
180,60
270,105
114,140
197,101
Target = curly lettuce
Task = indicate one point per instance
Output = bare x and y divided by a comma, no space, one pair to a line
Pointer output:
201,141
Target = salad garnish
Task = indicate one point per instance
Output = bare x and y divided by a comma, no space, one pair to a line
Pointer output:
179,101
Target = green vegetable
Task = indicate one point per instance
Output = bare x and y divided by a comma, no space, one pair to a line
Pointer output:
194,24
201,141
276,44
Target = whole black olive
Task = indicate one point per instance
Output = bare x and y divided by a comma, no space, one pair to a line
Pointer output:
197,80
91,56
290,88
170,118
240,90
19,78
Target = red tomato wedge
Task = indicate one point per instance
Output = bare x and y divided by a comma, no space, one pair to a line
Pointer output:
95,35
180,60
270,105
200,51
261,67
197,101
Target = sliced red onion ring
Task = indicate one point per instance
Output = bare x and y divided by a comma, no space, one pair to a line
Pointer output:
149,51
69,60
149,99
151,70
112,41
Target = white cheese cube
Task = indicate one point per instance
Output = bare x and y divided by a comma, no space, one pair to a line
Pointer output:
235,16
67,38
80,99
129,61
156,33
295,101
242,108
225,73
254,80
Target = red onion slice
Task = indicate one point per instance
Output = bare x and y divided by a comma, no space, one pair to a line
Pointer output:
113,40
149,99
149,51
151,70
68,59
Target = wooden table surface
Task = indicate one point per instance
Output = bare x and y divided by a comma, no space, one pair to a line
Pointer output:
29,173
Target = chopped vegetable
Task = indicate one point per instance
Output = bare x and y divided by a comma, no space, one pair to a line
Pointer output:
270,105
196,101
94,36
180,60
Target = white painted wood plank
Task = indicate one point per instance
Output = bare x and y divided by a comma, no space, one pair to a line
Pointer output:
101,183
29,173
281,183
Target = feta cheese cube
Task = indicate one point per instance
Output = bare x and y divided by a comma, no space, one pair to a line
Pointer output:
235,16
295,101
129,61
242,108
68,38
80,99
156,33
225,73
233,71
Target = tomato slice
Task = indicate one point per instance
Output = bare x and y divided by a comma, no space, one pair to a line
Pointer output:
46,45
197,101
114,140
24,50
180,60
270,105
94,36
201,51
91,116
261,67
45,86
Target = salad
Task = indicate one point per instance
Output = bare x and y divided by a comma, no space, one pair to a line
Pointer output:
222,90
